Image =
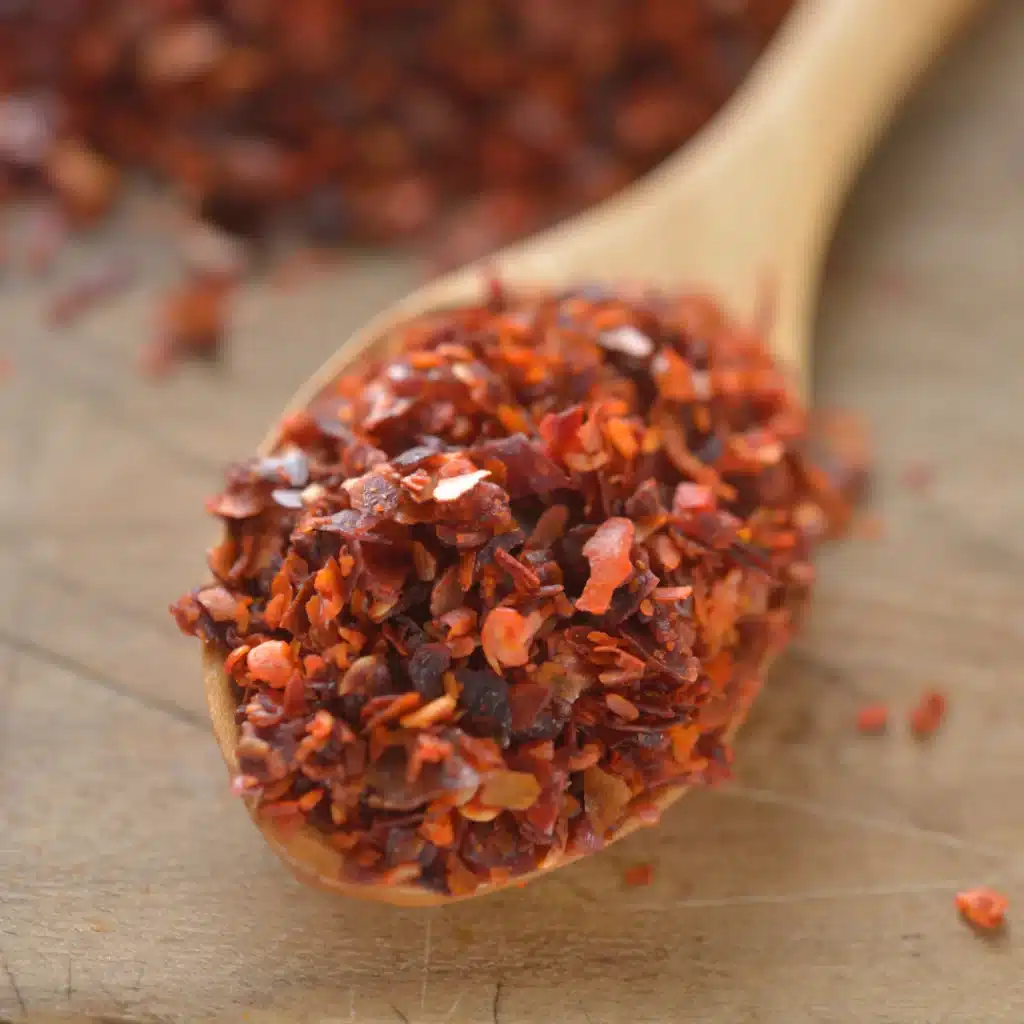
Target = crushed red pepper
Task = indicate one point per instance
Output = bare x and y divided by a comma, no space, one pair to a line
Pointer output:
366,119
873,718
983,907
192,323
929,714
639,875
471,630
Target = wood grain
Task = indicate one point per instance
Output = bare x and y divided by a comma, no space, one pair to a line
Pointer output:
818,889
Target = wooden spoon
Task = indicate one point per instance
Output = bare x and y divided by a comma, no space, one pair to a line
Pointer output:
749,204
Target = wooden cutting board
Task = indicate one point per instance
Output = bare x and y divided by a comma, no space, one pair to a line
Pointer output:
818,888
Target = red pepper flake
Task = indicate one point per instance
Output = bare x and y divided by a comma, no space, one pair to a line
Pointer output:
463,132
929,714
506,638
873,718
192,325
983,908
639,874
610,566
271,662
618,705
393,592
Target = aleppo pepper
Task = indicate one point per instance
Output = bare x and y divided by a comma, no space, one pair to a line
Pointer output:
496,590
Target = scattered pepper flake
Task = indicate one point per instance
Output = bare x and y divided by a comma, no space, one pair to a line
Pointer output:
873,718
192,323
928,715
639,874
984,908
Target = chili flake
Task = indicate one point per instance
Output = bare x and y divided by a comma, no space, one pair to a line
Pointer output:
465,123
470,631
929,714
639,874
873,718
983,907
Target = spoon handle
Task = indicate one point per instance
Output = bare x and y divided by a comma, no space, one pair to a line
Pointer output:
753,199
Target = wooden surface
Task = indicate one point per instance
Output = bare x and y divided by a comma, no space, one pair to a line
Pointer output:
819,888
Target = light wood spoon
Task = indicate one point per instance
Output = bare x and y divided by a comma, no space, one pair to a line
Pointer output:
750,203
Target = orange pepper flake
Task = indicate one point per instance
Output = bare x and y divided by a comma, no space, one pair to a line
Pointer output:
622,435
321,724
309,800
403,874
394,708
271,662
513,419
639,874
274,612
513,791
428,715
314,665
505,638
424,562
983,907
314,611
439,831
585,758
352,637
618,705
608,552
873,718
428,749
451,685
929,714
235,658
673,375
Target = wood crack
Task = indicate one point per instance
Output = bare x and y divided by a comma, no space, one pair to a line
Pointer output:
40,652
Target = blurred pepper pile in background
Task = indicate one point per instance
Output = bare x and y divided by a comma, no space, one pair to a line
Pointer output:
459,124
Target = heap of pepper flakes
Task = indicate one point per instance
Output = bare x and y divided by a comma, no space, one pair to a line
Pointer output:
493,595
465,123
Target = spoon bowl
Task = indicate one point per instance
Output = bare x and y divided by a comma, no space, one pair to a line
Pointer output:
744,212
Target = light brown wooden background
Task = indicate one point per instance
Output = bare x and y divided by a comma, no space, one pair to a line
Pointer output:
818,889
